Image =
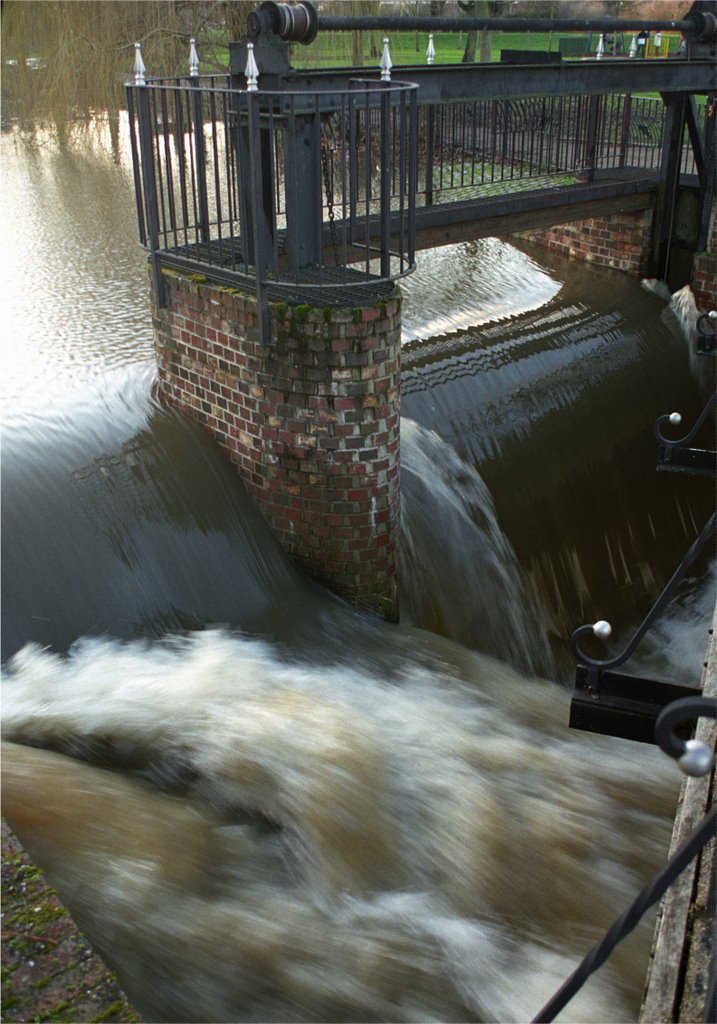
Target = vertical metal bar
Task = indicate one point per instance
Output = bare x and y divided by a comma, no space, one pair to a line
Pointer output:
150,191
664,213
367,178
217,180
707,179
192,163
385,188
257,193
625,128
182,163
201,163
430,143
166,138
402,129
594,106
413,177
343,124
159,176
292,198
139,200
244,168
274,179
316,185
229,172
353,116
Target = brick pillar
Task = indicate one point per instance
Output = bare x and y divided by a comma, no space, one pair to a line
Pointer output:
311,420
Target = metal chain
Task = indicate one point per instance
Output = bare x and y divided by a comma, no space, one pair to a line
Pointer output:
328,187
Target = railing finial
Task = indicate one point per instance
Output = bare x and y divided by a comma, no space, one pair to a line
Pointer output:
386,62
138,68
252,70
431,51
193,60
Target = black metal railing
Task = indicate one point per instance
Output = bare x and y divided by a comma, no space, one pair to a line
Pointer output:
606,701
286,191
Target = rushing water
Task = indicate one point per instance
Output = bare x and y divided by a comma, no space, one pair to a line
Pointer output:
265,805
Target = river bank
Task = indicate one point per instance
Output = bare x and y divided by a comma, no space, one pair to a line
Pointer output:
49,970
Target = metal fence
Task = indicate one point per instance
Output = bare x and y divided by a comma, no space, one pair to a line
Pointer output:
487,147
277,190
293,190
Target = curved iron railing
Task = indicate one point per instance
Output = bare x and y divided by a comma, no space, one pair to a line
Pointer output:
602,629
241,184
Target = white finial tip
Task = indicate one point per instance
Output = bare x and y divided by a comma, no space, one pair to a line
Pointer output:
252,70
139,69
193,59
712,314
602,629
697,758
675,419
386,62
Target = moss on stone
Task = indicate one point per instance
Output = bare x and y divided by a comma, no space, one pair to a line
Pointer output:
301,313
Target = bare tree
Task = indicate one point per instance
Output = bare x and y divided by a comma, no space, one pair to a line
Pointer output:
66,61
478,9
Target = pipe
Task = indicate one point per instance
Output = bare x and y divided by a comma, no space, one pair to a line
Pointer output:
300,23
391,23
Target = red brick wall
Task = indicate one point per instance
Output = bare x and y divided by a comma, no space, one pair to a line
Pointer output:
310,419
620,241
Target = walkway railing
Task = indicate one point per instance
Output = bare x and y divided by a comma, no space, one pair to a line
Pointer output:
286,191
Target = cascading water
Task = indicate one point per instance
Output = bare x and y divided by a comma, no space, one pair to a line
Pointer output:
263,804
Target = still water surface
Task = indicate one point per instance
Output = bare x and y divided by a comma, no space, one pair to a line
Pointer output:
302,813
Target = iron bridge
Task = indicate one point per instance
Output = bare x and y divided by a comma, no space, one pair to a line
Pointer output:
321,185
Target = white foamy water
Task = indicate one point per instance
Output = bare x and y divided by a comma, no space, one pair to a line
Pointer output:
336,846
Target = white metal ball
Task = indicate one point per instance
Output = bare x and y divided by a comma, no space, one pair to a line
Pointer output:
697,758
602,629
675,418
712,314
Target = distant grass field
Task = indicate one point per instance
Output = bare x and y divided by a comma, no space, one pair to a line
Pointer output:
334,49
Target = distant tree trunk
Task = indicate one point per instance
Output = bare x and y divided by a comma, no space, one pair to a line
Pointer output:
475,9
469,53
357,49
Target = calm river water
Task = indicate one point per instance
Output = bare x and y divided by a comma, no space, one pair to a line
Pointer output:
295,811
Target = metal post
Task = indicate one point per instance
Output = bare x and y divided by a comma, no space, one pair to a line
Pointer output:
670,160
625,133
257,191
200,156
430,144
148,176
385,188
592,136
707,178
304,209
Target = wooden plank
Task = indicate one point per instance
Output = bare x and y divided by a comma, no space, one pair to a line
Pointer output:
676,978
